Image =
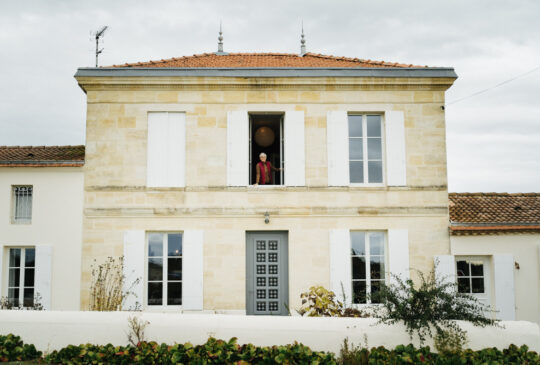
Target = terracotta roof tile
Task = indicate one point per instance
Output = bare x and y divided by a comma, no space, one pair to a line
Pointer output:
249,60
494,212
36,156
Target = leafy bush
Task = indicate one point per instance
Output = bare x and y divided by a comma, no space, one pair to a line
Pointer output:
12,348
412,355
106,288
321,302
434,305
212,352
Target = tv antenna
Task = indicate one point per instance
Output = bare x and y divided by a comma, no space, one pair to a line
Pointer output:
100,33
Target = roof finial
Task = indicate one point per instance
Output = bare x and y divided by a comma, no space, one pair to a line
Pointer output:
302,42
220,39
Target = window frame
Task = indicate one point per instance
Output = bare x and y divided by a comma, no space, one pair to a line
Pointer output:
364,138
368,266
485,276
164,307
14,198
22,271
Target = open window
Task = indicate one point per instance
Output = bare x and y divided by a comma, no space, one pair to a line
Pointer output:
266,135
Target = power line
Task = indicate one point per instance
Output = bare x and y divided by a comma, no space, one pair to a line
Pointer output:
493,87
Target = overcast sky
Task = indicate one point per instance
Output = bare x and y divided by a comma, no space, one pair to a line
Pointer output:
493,139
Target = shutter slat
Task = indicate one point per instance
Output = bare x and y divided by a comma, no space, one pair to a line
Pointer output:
43,275
192,270
398,253
237,148
503,268
340,264
337,141
295,161
395,148
133,269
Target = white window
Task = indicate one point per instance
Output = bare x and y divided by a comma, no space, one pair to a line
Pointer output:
473,277
367,264
22,204
365,149
164,269
21,271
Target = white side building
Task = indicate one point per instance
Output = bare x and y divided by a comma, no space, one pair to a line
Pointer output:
41,200
495,251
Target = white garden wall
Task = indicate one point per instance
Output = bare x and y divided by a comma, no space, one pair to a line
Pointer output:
50,330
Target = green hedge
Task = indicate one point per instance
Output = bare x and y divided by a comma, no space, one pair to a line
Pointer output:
221,352
13,349
212,352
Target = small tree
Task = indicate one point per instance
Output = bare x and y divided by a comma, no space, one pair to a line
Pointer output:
434,305
106,288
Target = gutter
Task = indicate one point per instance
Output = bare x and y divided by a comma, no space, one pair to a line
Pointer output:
41,163
427,72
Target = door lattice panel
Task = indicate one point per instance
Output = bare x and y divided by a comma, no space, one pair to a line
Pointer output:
267,272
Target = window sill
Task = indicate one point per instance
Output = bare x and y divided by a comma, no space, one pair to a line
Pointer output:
21,223
163,308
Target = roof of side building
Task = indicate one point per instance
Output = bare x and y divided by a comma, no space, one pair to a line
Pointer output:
492,213
41,156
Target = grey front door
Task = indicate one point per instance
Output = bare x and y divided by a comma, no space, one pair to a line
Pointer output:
267,284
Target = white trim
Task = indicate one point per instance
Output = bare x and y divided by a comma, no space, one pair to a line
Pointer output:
337,146
43,275
503,269
238,148
134,268
340,263
192,270
295,160
396,169
445,268
398,253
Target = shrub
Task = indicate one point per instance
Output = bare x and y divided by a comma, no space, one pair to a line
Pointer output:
412,355
321,302
434,305
212,352
106,288
5,303
12,348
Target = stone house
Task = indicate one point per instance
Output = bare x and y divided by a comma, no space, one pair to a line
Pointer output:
172,146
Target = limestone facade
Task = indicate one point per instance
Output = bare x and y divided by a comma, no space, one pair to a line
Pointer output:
117,199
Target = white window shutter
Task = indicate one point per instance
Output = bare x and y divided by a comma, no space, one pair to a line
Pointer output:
337,146
43,275
237,148
166,149
192,270
395,148
134,263
156,157
176,150
445,268
340,264
398,254
503,268
295,158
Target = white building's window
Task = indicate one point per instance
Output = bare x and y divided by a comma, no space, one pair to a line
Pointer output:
164,274
470,276
368,264
22,204
21,268
365,149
